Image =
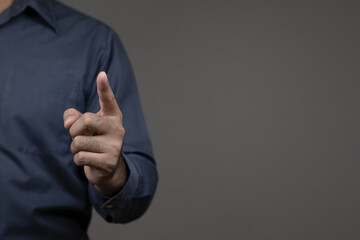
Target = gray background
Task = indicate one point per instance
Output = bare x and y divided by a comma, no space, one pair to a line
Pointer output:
253,109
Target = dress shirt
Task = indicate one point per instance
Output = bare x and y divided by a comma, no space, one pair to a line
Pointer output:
50,55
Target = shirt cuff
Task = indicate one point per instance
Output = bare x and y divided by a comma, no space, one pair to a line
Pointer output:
108,206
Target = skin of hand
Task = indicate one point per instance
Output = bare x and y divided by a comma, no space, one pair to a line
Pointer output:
97,140
4,4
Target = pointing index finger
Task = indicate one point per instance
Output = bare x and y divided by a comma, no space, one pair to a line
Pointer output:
107,99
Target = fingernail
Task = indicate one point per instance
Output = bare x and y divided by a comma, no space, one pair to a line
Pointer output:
105,76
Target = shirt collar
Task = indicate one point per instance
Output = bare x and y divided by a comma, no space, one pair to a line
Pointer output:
45,8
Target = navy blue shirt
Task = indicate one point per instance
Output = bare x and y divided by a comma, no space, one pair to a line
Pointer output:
50,56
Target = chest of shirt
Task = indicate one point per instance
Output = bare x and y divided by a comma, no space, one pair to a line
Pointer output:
36,87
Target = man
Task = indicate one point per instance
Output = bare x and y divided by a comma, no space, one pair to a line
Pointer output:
60,68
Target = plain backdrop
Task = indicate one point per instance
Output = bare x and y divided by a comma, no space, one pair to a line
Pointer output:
253,108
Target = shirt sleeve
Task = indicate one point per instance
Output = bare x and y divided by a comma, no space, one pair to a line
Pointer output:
136,195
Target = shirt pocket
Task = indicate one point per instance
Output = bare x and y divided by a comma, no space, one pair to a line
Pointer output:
31,111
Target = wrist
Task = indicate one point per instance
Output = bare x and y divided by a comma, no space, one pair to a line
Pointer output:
116,182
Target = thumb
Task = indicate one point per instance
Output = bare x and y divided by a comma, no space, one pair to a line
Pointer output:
107,99
70,116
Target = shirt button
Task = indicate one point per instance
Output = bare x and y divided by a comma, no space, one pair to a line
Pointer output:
109,206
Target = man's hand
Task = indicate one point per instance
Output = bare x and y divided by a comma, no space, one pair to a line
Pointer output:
97,140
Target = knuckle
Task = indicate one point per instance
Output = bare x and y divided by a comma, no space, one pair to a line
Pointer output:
80,158
72,148
71,132
118,147
120,130
76,159
77,142
115,146
87,119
